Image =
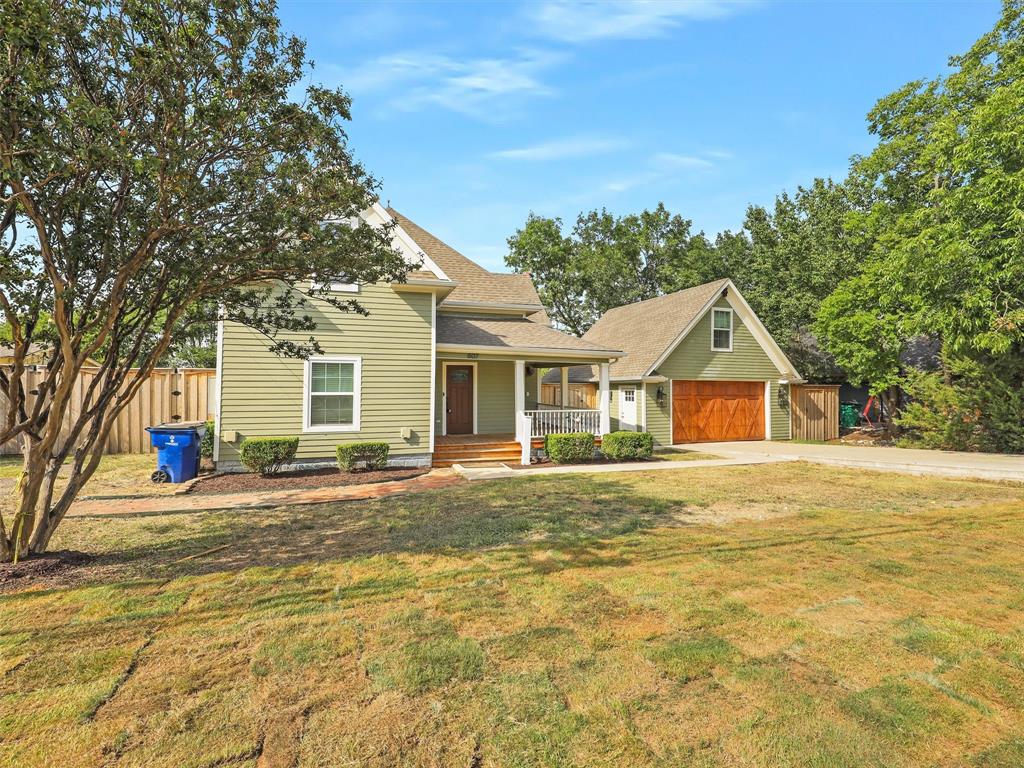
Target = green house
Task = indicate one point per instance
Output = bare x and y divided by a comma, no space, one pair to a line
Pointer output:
444,367
449,366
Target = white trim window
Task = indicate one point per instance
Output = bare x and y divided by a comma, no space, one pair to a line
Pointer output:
331,394
721,330
337,287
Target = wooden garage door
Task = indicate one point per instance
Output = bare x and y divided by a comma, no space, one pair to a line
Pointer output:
704,411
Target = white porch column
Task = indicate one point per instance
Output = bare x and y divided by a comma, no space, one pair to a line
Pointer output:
604,400
565,386
520,386
522,421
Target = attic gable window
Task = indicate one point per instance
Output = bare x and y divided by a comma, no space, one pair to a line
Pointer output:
721,330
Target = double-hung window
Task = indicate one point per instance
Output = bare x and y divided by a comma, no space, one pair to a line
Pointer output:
332,394
721,333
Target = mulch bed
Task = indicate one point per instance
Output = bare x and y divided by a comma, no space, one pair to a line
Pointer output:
50,568
239,482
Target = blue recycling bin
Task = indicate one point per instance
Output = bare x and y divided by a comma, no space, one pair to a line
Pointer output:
177,451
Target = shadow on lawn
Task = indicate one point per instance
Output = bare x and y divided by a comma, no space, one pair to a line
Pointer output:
570,514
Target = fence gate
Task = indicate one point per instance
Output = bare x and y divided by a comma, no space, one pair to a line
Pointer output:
815,411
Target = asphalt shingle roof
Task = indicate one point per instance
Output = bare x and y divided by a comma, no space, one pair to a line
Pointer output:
643,331
474,282
508,333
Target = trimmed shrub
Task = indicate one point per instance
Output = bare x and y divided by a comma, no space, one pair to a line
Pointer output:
206,441
569,447
374,455
628,446
267,455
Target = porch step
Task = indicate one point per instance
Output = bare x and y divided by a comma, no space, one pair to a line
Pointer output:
447,454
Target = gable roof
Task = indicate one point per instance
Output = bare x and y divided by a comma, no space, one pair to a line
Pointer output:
648,331
644,330
476,285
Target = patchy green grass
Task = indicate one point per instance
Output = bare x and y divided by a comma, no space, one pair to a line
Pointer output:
769,615
678,454
121,474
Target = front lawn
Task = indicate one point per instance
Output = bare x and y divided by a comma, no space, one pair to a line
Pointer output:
781,614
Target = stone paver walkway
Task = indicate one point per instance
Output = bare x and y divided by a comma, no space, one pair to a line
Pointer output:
154,505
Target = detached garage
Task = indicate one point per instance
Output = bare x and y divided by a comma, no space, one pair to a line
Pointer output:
699,366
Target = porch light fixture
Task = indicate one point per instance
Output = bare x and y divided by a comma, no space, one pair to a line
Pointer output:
661,395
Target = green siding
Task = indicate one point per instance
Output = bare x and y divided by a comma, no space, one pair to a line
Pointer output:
496,393
658,416
694,359
262,393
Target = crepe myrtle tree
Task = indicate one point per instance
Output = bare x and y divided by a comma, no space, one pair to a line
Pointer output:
161,165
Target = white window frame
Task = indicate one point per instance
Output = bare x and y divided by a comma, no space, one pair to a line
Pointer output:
338,287
730,313
357,377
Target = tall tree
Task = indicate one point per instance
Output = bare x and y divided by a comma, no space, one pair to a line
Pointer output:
156,171
607,261
797,254
945,193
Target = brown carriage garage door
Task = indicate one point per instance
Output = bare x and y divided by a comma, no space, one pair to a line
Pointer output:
704,411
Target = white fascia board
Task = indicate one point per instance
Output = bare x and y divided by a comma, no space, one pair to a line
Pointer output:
761,334
491,307
407,245
549,352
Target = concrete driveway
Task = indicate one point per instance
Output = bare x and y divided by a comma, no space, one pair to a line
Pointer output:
989,466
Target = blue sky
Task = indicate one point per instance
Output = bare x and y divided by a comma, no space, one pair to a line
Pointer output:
473,115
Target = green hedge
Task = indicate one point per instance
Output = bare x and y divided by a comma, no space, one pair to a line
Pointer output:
267,455
374,455
569,447
206,441
627,446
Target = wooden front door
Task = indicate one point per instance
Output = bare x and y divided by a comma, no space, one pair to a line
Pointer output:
708,411
458,397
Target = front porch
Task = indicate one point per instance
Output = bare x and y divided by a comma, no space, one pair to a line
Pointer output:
491,409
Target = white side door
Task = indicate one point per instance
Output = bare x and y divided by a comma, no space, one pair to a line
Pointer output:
627,409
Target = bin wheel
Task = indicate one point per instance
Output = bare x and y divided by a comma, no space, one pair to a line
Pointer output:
160,476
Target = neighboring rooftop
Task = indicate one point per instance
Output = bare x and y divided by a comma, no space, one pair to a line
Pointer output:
509,333
475,284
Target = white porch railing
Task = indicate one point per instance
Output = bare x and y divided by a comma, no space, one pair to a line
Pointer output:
547,422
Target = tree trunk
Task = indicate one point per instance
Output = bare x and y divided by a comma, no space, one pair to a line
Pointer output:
30,483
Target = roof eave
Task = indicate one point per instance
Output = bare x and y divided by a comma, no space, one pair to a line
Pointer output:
553,352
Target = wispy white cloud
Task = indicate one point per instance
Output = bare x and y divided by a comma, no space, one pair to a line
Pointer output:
665,165
485,88
577,21
559,149
674,160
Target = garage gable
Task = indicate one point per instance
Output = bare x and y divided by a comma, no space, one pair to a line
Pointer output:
693,357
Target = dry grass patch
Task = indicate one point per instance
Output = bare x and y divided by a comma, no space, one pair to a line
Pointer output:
867,620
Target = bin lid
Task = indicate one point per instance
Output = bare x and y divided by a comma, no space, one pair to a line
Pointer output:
178,426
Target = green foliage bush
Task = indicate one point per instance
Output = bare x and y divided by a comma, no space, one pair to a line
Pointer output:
206,442
977,409
627,446
373,454
569,447
267,455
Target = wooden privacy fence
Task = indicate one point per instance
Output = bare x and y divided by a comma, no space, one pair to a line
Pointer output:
581,395
814,410
188,393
